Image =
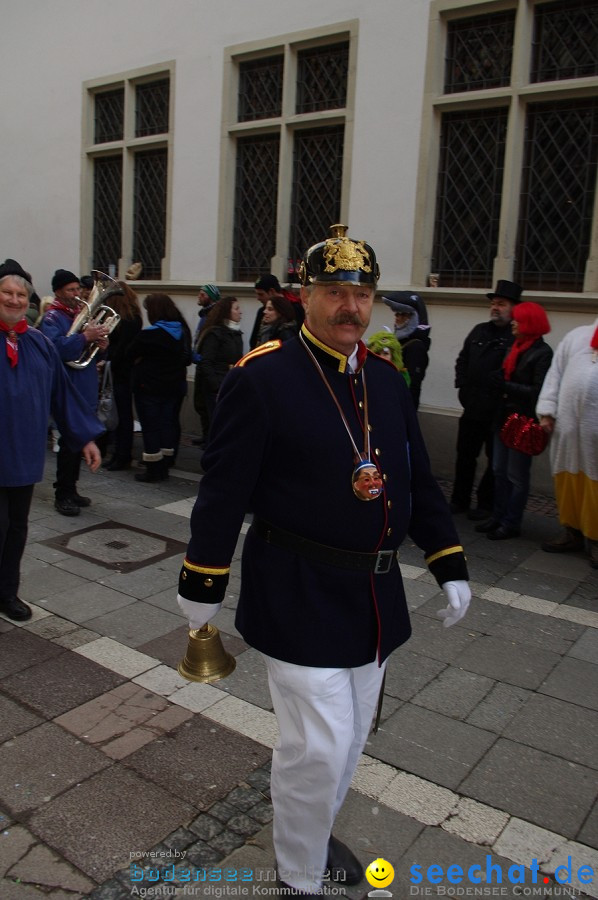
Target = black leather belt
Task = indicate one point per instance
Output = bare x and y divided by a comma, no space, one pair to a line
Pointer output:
379,563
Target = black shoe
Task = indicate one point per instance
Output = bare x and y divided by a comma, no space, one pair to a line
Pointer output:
342,863
81,501
488,526
479,515
15,609
117,465
457,508
67,506
503,533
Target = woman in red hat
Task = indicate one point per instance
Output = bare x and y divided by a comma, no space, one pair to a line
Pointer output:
523,371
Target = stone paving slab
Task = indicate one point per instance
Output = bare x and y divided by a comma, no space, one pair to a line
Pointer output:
504,660
499,707
536,584
442,644
586,647
97,824
560,728
514,778
454,693
431,745
188,762
42,763
20,649
85,601
42,687
545,632
135,623
407,673
15,719
573,680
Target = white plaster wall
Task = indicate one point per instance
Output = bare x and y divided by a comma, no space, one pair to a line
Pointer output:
51,48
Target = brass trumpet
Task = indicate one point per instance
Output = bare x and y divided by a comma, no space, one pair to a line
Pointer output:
95,312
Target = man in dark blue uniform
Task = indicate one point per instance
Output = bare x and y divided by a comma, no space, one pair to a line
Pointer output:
299,427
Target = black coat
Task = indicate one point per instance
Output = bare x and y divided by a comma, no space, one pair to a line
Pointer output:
220,348
478,363
159,362
520,393
120,339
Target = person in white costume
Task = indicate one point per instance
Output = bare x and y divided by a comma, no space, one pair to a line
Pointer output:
567,409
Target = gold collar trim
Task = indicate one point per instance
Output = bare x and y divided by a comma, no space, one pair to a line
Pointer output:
340,357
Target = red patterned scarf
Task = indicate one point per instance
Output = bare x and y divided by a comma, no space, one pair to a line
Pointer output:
12,346
58,304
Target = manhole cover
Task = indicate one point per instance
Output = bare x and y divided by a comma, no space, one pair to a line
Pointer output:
120,547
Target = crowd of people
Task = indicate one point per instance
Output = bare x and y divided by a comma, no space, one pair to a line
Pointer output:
504,367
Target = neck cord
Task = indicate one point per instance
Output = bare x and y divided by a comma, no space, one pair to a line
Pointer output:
366,428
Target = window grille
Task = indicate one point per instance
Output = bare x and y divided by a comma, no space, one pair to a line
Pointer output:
479,52
109,113
472,147
106,212
151,108
256,193
322,78
317,176
260,89
149,219
557,201
565,40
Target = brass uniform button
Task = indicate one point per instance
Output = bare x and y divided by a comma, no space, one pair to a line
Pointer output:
389,532
377,452
360,404
208,582
389,504
183,575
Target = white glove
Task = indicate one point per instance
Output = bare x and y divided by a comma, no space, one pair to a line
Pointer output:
197,613
458,595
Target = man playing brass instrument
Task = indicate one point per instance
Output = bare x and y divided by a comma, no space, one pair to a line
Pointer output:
322,596
56,325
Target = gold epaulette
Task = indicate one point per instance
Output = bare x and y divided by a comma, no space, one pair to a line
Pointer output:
268,347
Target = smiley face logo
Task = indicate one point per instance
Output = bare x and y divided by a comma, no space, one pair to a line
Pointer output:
380,873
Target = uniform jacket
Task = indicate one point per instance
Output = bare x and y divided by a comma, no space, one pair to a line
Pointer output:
278,449
520,393
482,354
55,325
35,388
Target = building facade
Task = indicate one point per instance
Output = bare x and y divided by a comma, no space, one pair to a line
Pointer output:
214,140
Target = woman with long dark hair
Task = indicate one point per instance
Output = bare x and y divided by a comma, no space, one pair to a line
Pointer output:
160,355
127,307
279,322
221,346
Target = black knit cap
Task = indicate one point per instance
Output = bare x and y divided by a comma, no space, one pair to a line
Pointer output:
62,277
12,267
267,282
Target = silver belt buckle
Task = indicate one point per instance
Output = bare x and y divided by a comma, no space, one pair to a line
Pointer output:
384,560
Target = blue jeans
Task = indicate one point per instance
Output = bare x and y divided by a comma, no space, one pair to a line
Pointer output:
511,483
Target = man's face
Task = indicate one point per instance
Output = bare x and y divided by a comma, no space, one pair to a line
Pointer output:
14,301
203,299
338,314
68,294
261,295
501,311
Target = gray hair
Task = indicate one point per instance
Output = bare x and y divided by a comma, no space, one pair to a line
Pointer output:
22,282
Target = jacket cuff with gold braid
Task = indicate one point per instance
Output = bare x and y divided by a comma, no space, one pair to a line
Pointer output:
204,584
448,564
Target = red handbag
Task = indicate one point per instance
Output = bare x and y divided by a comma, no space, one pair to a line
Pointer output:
523,434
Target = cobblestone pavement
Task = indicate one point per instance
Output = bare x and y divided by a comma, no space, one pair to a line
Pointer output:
122,779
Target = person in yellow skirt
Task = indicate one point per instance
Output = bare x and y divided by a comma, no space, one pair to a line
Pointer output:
567,409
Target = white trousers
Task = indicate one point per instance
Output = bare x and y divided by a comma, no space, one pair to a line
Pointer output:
324,717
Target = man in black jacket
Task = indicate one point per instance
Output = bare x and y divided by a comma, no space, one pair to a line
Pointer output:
480,358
